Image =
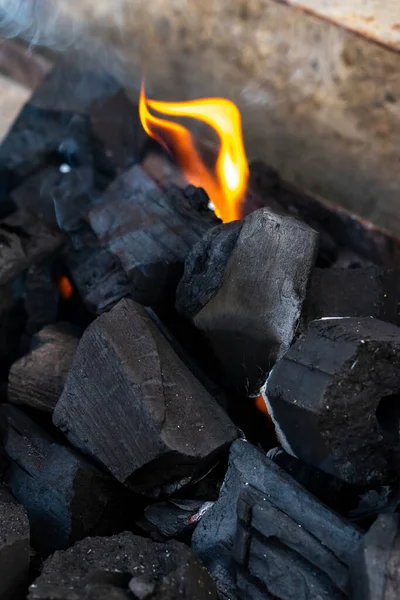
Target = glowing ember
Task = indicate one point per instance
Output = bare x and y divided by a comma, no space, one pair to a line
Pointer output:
226,186
65,287
260,404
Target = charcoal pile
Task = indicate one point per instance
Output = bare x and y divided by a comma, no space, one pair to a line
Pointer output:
190,408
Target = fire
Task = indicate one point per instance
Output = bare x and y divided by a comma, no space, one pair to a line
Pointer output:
65,287
260,404
226,186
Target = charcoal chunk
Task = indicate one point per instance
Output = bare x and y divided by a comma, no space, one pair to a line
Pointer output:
14,548
337,388
247,295
263,511
37,379
376,567
65,496
41,297
117,567
131,403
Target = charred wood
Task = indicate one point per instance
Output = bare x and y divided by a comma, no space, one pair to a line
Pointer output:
41,297
262,510
244,286
151,231
25,241
124,566
37,379
14,548
376,567
65,496
337,388
131,403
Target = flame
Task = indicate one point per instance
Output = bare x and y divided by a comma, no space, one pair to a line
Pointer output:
65,287
260,404
227,185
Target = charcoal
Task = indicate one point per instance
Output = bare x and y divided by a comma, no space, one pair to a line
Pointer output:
263,509
123,566
115,122
172,519
376,567
96,273
337,388
65,496
25,241
151,231
247,293
37,379
14,548
12,321
41,297
358,292
131,403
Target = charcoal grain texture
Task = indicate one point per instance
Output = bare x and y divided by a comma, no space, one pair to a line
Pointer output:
121,567
14,548
376,567
25,241
338,388
64,495
131,403
151,231
356,292
272,535
249,313
37,379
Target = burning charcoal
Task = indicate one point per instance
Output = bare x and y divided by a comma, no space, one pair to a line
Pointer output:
41,297
370,292
131,403
334,399
151,231
14,548
262,509
65,496
38,379
376,567
96,273
244,286
173,519
23,242
124,566
115,122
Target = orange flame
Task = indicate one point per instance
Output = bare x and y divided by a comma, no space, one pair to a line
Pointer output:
260,404
227,185
65,287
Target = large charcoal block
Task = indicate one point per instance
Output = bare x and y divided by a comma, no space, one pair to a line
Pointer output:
376,567
263,509
357,292
244,287
131,403
151,231
14,548
338,388
37,379
65,496
124,566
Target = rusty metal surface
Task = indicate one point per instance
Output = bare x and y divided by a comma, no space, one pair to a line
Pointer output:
375,19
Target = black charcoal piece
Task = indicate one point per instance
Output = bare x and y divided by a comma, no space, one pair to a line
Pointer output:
37,379
151,231
14,548
115,122
376,567
12,322
356,292
123,566
324,543
131,403
65,496
24,240
338,389
247,295
41,297
173,518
